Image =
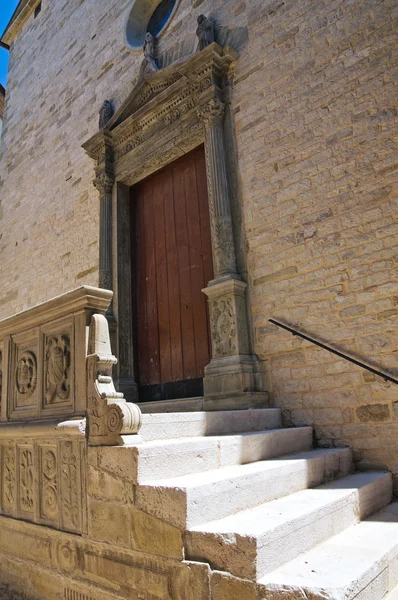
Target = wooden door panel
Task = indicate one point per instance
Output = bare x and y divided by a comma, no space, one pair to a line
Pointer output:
173,263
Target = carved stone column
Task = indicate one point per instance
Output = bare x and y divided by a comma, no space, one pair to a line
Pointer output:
104,185
234,377
224,257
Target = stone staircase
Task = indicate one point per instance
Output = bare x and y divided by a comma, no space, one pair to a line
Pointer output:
257,503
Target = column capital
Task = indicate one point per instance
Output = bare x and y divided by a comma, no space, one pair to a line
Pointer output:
212,112
104,183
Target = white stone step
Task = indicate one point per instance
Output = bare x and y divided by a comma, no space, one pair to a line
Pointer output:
160,426
201,497
360,563
173,458
259,540
393,595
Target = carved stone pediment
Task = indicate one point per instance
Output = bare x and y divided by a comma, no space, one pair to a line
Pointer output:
146,132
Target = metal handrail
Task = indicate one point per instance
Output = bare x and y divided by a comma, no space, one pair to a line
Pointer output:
340,354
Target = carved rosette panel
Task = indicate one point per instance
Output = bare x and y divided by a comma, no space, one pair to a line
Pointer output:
223,327
23,384
57,369
67,555
49,484
26,469
44,482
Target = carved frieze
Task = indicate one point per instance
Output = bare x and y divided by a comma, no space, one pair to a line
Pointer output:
57,367
44,482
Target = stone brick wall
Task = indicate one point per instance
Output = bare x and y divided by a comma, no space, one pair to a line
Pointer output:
315,117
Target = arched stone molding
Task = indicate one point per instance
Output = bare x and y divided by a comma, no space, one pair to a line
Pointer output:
169,113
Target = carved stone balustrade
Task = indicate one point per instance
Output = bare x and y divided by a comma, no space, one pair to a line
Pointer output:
56,398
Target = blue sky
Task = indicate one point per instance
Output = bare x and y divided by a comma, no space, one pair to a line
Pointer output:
7,8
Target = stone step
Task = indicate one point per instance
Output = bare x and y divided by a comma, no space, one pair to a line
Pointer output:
161,426
173,458
361,563
259,540
393,595
201,497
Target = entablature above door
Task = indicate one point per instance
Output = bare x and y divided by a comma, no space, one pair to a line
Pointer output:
162,118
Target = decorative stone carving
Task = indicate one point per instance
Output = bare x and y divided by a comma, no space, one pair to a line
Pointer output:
9,479
149,64
70,487
57,365
109,415
104,183
224,255
26,478
49,484
26,374
105,114
48,489
227,317
205,32
223,324
66,555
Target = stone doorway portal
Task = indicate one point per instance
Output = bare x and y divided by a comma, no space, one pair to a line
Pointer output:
171,264
169,113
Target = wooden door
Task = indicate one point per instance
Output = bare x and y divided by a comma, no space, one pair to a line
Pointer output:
173,262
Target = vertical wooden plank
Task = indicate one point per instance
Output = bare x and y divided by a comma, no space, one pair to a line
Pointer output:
139,281
162,278
177,372
151,292
187,329
196,269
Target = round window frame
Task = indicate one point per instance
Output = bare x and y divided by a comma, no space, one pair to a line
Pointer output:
139,45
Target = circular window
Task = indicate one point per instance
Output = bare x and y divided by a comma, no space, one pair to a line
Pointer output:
148,15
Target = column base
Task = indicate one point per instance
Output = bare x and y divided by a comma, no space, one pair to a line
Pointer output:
234,383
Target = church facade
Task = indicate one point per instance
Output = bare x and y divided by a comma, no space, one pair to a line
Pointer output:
205,175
